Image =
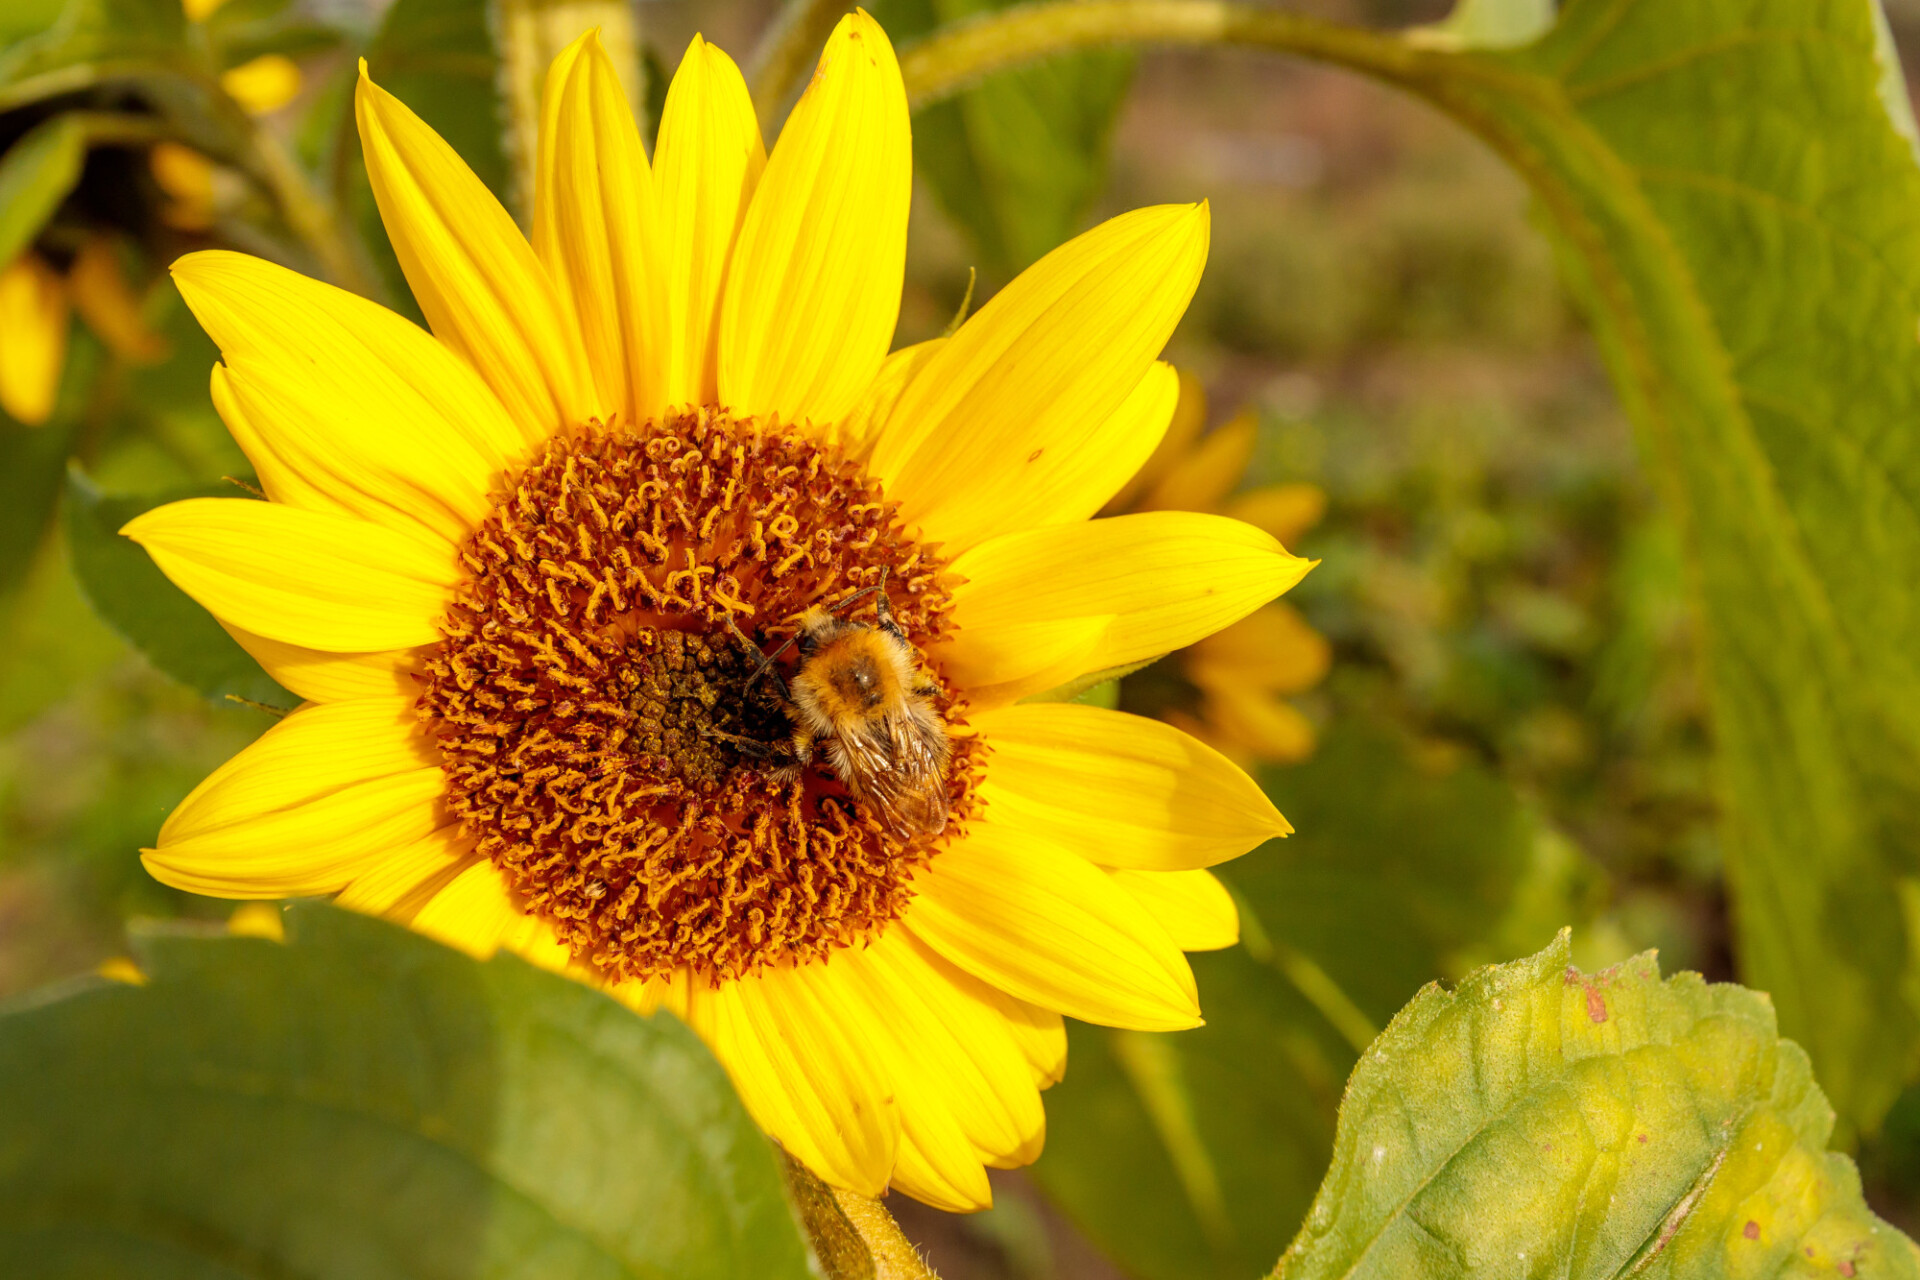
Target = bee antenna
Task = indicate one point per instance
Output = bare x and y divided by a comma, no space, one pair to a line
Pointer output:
864,592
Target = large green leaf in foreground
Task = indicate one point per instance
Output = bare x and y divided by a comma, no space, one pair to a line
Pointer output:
1746,220
362,1104
1540,1121
1734,203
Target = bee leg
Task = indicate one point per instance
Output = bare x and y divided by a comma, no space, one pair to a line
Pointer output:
794,755
755,747
763,665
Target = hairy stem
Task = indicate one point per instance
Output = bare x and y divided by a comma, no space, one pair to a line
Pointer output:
853,1236
782,56
530,33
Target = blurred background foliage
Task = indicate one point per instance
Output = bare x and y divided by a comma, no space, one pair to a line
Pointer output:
1512,733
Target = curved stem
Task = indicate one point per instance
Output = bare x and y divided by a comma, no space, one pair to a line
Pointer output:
957,56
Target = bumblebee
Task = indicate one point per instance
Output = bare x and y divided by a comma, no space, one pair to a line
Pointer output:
859,702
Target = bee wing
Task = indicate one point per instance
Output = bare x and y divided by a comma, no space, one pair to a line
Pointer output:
899,766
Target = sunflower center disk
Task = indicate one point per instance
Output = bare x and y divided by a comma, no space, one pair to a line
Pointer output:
614,748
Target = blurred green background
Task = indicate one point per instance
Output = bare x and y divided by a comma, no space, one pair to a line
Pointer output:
1512,736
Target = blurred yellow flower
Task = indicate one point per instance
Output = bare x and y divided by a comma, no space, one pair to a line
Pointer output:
267,83
1245,672
34,303
530,568
33,315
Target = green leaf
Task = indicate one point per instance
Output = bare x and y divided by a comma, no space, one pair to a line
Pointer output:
1195,1155
36,173
138,601
26,18
94,39
1734,205
1541,1121
363,1103
1019,159
33,461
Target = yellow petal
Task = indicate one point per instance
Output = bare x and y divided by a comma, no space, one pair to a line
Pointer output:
1192,906
305,577
1119,789
1258,727
188,177
706,165
1041,655
1284,510
1013,424
281,480
400,883
951,1179
476,278
33,315
804,1071
1271,650
123,970
1166,578
263,84
476,913
311,848
107,304
814,289
333,677
1048,926
1040,1033
601,235
861,428
313,752
1208,473
367,408
258,920
951,1051
546,232
1189,416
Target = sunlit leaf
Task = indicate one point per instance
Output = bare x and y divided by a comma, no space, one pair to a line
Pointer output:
138,601
1743,221
1540,1121
360,1103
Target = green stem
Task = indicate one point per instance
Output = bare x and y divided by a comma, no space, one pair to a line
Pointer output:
955,57
852,1235
790,44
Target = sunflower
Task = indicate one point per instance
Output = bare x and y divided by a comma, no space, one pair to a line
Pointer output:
1243,674
529,572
